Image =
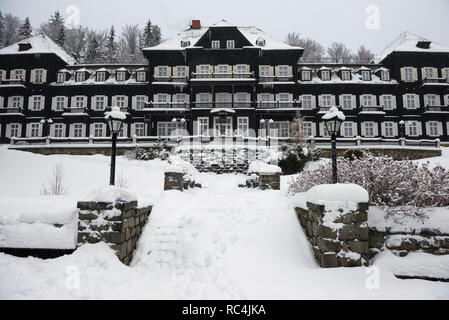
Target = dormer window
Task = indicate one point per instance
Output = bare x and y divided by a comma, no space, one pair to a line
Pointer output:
345,75
101,76
215,44
80,76
385,75
120,76
325,75
185,43
260,42
366,75
230,44
140,76
305,75
61,77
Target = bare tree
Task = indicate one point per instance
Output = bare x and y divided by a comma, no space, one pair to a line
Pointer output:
76,42
56,183
339,53
313,51
129,48
363,55
297,134
11,25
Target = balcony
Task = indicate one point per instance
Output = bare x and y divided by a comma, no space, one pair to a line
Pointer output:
223,76
435,82
277,104
436,109
75,111
273,78
172,79
371,110
12,111
12,83
166,105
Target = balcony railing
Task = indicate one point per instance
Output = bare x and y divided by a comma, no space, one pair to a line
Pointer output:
275,78
277,104
437,81
11,110
222,75
374,109
75,110
171,78
432,108
18,82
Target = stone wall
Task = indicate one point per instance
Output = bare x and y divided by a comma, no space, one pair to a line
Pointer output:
173,181
338,238
395,153
401,244
270,181
117,224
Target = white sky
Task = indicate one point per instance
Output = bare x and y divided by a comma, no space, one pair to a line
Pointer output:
324,20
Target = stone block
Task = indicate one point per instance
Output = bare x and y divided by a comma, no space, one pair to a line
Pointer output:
444,242
346,261
363,206
348,232
173,181
346,218
92,205
327,245
407,244
87,215
129,246
376,239
313,206
358,246
309,228
120,250
360,216
125,206
88,237
363,233
130,213
328,260
326,232
114,237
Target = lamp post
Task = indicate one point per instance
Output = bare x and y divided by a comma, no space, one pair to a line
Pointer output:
179,121
266,124
402,129
333,119
115,119
45,125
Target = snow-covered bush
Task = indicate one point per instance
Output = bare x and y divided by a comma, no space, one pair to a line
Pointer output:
400,185
159,151
295,157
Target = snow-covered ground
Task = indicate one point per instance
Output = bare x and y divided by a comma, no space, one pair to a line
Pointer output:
218,242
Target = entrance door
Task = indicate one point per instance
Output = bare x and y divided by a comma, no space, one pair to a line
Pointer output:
223,126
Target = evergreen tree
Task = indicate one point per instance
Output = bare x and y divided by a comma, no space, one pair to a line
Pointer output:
157,37
2,30
60,40
151,35
111,46
53,27
25,30
93,54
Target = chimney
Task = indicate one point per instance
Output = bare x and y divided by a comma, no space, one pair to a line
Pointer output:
196,24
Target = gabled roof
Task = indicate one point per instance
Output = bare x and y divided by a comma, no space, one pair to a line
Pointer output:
407,42
252,34
39,44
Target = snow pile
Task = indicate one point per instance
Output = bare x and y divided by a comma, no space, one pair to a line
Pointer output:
262,167
115,113
332,113
111,194
173,168
338,194
185,166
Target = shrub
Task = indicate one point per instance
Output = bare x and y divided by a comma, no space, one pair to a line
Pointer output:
159,151
400,185
352,154
293,159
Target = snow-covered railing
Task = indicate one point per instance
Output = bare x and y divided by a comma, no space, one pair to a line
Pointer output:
222,75
373,142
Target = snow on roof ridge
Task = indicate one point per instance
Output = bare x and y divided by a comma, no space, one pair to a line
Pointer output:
40,43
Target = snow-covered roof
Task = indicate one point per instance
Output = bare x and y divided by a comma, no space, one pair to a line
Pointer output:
252,34
39,44
407,42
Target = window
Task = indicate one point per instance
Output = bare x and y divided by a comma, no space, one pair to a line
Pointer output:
242,126
265,97
58,130
165,128
61,77
305,75
222,68
139,129
445,73
100,102
101,76
203,126
121,76
264,71
283,71
38,75
366,75
36,103
78,130
307,102
241,68
346,102
79,102
433,128
230,44
181,71
18,74
79,76
120,101
387,101
140,102
282,128
1,75
389,129
369,129
215,44
408,74
162,98
410,101
431,100
412,128
428,73
98,129
307,129
367,100
325,132
326,100
345,75
240,97
162,71
385,75
34,132
141,76
16,102
348,129
14,130
204,99
205,69
325,75
60,103
283,98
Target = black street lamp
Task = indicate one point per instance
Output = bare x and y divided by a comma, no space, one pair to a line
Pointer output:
115,119
179,121
266,124
46,126
333,119
402,129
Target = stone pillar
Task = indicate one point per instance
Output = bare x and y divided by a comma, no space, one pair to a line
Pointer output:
358,140
339,238
437,143
402,142
173,180
117,224
12,140
91,139
47,140
270,180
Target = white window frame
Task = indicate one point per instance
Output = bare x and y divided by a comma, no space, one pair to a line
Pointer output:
19,74
307,101
385,75
326,100
120,101
181,71
203,126
61,77
389,129
306,75
98,105
433,125
140,102
408,74
215,44
369,129
264,71
243,126
35,130
60,103
327,73
141,76
345,75
14,130
79,101
307,127
80,76
38,76
16,101
78,130
366,75
101,76
281,128
98,130
345,99
120,76
347,129
410,102
58,130
230,44
283,71
387,102
162,71
139,129
413,128
36,103
167,127
366,100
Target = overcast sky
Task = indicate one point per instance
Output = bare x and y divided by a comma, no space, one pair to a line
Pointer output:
371,22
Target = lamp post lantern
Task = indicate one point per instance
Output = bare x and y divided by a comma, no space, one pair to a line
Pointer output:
115,119
333,119
45,126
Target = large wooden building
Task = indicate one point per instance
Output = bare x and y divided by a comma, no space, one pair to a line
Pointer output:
224,80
